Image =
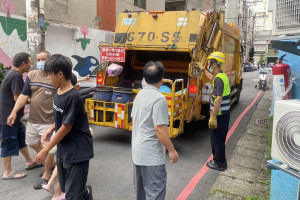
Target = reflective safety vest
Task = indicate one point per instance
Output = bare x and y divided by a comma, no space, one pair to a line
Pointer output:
225,105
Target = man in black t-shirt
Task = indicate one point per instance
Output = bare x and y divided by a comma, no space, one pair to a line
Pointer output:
13,137
73,138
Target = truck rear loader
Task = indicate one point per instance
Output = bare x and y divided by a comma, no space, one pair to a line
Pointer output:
182,41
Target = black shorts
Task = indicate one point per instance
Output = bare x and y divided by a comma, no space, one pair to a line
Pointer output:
72,178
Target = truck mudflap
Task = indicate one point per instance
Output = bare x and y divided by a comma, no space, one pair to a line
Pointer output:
117,115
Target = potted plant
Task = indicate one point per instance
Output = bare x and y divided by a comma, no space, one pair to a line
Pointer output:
3,72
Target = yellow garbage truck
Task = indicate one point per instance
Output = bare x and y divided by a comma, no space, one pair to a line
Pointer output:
182,41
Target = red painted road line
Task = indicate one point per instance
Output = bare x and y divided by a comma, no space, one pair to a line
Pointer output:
195,180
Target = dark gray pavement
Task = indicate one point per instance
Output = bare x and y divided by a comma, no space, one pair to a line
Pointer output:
247,175
110,171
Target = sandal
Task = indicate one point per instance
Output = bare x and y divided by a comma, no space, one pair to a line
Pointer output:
48,188
12,175
62,197
40,183
33,166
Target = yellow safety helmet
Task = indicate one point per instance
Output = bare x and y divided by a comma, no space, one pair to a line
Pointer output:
217,55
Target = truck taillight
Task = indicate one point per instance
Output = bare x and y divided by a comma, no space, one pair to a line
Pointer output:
192,89
99,78
193,85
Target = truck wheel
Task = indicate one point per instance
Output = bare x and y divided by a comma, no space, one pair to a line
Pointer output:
238,94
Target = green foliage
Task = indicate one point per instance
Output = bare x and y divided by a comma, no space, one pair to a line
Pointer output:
3,72
214,191
253,198
261,58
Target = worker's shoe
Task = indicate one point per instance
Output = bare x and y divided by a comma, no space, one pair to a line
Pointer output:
211,164
88,193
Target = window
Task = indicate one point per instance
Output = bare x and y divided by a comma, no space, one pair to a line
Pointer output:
175,5
140,3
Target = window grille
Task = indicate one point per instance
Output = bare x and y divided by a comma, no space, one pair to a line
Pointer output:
287,14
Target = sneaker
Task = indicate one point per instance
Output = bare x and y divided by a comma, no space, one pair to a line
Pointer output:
89,194
211,164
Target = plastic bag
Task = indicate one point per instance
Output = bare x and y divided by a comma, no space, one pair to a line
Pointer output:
114,69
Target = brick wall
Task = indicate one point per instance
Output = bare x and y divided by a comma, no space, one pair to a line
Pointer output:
106,9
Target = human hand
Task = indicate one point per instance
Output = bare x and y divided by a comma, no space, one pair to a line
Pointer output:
46,137
41,156
199,65
11,119
88,79
173,156
212,123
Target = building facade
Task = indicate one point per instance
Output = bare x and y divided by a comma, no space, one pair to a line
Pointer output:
72,28
262,33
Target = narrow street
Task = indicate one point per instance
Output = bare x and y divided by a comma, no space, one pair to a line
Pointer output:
111,169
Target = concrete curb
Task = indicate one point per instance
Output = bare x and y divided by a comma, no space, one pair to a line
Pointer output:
246,175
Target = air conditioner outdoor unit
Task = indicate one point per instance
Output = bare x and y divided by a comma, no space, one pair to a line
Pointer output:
286,133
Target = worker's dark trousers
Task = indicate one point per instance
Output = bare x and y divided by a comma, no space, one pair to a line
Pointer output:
218,138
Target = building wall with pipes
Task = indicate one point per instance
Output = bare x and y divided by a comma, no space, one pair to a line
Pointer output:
69,31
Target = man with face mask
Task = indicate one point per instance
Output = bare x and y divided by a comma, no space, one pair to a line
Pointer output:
219,110
41,94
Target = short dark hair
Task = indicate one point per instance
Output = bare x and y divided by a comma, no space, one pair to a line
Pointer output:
57,63
153,72
20,58
212,61
46,52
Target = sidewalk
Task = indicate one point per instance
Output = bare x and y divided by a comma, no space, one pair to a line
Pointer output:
247,174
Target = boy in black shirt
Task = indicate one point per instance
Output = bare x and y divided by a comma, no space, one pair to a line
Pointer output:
73,137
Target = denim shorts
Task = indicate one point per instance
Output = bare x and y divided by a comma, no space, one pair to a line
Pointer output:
13,139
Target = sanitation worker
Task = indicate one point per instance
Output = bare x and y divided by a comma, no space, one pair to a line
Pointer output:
219,110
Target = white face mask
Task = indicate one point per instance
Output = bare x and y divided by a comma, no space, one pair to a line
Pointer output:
210,70
41,65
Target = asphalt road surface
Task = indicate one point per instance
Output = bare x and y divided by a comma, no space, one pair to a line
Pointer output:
111,170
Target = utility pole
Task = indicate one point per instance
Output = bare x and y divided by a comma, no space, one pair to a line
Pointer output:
253,29
35,28
245,29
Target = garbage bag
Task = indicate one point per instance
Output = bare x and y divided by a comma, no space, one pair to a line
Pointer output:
114,69
165,89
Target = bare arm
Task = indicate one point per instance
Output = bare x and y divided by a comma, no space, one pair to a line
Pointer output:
20,100
16,96
61,133
89,79
45,139
163,136
208,74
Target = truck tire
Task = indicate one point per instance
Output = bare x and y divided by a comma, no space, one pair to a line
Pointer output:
238,94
